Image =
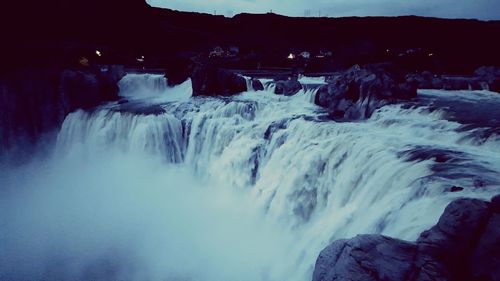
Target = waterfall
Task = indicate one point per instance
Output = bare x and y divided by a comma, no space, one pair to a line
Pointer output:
142,85
249,83
308,179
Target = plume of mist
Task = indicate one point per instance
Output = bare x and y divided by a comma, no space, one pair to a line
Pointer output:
128,217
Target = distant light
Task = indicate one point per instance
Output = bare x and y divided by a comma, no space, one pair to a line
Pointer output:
291,56
98,53
387,51
431,54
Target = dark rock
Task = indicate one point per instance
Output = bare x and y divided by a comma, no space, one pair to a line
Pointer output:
491,76
456,188
178,70
495,204
365,257
29,105
140,108
35,101
488,72
257,85
358,92
425,80
287,88
444,249
211,81
463,245
274,127
495,85
483,80
486,257
84,88
455,84
78,89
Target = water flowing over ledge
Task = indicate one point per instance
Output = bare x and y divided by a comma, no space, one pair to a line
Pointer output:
268,158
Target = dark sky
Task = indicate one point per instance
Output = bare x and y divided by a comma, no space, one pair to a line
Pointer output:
482,9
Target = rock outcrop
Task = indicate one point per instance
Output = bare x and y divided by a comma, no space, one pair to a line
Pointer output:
491,76
212,81
257,85
356,93
34,101
463,245
178,70
484,78
86,88
287,88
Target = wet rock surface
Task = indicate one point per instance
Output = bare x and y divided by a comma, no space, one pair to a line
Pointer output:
287,88
257,85
463,245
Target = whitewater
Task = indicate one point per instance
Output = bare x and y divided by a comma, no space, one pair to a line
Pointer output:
166,186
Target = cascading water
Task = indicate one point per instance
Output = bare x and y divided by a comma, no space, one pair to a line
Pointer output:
250,187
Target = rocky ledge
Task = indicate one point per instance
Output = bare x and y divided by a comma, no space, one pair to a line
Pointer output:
358,92
484,78
463,245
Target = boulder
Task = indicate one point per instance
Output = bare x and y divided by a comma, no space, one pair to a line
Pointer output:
444,249
463,245
367,258
486,257
358,92
257,85
287,88
211,81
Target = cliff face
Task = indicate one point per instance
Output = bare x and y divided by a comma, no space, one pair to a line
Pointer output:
35,101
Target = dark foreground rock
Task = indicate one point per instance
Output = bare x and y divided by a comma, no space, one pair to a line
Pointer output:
359,91
212,81
463,245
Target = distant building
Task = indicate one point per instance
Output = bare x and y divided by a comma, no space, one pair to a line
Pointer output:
305,55
324,54
217,52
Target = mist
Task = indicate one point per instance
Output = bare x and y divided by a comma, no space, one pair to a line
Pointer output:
128,216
